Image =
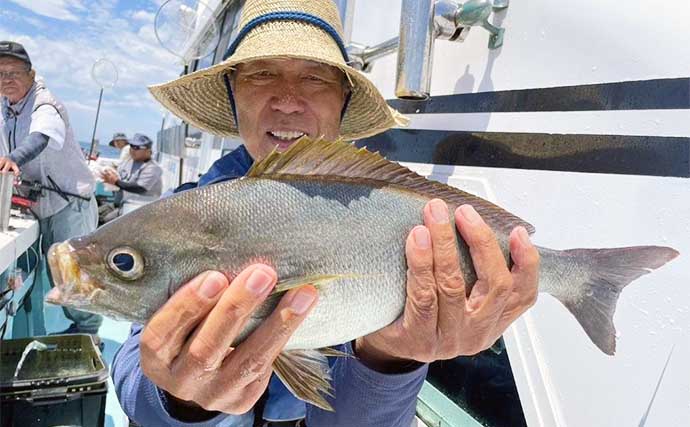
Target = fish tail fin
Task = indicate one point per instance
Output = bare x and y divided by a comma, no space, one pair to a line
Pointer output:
600,276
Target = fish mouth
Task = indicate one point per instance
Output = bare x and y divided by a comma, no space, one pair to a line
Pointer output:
72,285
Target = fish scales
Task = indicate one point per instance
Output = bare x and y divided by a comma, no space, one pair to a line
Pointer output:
336,230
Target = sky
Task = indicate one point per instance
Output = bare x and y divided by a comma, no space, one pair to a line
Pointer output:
64,38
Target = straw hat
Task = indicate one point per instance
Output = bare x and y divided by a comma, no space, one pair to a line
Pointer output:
302,29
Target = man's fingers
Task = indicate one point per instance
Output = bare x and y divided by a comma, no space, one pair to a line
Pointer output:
168,329
525,270
7,165
494,282
447,273
211,341
251,359
421,306
525,273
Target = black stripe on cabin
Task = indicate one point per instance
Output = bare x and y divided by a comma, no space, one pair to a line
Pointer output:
613,154
658,94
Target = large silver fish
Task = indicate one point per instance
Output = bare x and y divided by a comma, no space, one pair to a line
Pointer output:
326,213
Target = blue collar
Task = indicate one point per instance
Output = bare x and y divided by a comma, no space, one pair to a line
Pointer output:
233,165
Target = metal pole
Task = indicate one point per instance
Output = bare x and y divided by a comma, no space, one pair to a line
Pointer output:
93,136
388,47
415,50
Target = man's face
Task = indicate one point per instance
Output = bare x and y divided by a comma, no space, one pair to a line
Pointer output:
16,78
280,100
139,153
120,143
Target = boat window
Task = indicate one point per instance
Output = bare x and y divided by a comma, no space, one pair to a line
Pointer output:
225,27
236,22
193,132
229,29
205,62
171,140
193,66
481,385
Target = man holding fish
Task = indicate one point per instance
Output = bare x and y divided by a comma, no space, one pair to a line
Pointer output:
286,77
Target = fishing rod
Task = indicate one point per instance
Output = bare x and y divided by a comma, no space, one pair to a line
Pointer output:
37,187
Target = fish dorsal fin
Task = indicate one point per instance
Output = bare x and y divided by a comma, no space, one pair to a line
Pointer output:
345,161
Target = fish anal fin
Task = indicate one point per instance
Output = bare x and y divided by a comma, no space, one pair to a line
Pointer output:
340,160
307,375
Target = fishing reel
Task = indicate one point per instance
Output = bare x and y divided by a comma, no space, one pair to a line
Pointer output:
25,195
29,190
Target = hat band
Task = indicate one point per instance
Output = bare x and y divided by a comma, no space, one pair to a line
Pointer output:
231,99
288,16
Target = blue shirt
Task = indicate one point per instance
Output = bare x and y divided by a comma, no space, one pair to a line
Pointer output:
364,397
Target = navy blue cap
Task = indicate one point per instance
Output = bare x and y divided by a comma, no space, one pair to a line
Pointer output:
15,50
141,140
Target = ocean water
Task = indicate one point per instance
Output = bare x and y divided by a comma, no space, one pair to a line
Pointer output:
105,150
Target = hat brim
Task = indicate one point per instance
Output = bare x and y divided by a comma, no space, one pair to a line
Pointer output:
20,57
112,141
201,98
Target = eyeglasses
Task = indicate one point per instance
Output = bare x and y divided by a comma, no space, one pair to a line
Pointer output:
139,147
11,75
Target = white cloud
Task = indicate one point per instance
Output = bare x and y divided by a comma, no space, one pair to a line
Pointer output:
73,105
19,18
144,16
65,61
58,9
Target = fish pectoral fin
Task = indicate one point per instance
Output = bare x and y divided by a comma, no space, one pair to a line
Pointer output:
307,375
316,280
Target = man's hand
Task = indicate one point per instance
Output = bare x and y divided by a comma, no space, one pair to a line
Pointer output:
110,176
186,346
439,321
7,165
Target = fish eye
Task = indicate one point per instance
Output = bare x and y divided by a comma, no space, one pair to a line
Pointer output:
126,263
123,262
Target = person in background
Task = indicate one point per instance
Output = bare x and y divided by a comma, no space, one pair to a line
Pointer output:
37,143
121,142
286,76
140,180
